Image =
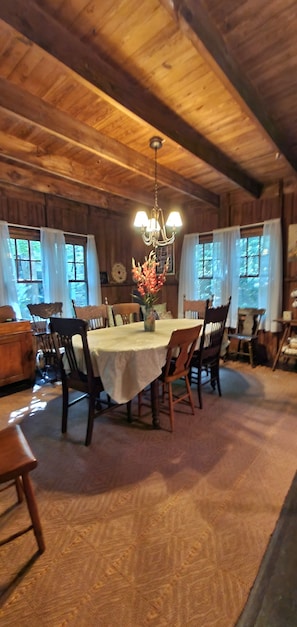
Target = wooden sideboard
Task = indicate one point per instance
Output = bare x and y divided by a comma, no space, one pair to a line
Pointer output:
17,353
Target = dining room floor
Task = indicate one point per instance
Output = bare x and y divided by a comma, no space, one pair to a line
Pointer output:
148,527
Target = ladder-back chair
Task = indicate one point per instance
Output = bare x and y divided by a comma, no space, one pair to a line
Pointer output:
206,360
195,308
246,335
128,312
76,374
95,315
41,314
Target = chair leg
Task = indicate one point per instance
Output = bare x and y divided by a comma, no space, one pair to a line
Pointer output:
33,511
129,411
190,394
19,489
91,416
171,408
65,406
199,390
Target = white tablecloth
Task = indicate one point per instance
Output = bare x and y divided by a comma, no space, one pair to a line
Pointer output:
127,358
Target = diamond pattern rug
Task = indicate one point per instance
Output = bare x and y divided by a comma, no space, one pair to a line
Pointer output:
146,527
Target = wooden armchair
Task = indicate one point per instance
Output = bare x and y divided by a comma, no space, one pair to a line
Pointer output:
41,314
95,315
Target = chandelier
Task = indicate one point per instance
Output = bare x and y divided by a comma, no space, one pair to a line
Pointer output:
153,228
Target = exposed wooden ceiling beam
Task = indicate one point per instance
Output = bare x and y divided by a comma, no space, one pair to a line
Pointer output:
196,23
20,175
115,84
32,109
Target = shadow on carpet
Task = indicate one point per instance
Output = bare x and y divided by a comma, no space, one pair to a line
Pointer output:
273,598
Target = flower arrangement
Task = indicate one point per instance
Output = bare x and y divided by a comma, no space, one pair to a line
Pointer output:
148,281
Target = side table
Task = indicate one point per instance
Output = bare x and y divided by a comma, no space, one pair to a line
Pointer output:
288,325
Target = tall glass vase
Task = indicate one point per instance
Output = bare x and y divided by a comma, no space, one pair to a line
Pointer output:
149,319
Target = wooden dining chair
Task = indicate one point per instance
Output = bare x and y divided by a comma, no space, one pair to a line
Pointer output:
206,360
128,312
7,313
41,313
95,315
195,308
76,375
16,462
246,335
179,354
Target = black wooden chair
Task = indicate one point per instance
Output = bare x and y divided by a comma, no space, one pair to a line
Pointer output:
246,335
179,354
206,360
76,373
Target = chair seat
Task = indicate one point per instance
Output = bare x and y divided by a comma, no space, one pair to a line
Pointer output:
16,455
16,462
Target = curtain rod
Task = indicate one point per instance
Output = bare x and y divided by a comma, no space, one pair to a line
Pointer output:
244,226
38,228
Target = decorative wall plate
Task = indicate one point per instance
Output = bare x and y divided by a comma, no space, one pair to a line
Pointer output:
119,272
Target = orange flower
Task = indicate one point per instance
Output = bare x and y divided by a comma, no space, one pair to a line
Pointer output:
148,281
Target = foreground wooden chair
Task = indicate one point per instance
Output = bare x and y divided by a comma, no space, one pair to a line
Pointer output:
206,360
73,375
179,354
16,462
96,315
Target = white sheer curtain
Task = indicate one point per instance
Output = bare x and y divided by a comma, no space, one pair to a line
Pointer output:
94,285
8,281
271,272
226,269
54,269
188,284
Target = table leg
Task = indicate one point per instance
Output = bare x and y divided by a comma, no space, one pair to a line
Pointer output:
155,403
284,338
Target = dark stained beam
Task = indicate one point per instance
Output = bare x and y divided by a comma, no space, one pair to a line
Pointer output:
196,23
22,176
113,83
31,109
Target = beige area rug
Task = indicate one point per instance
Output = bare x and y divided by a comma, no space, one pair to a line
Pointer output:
146,527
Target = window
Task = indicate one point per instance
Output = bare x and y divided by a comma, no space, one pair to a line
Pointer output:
26,251
250,252
205,255
27,256
76,267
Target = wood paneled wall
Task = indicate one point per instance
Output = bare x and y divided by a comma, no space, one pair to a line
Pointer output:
117,241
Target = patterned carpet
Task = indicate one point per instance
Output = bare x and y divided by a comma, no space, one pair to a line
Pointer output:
146,527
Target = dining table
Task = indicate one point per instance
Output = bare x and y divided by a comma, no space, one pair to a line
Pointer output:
128,359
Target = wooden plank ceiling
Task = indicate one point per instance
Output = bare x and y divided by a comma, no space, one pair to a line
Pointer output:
85,84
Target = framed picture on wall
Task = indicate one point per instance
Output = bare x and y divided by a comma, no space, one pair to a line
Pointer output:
162,254
103,278
292,243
